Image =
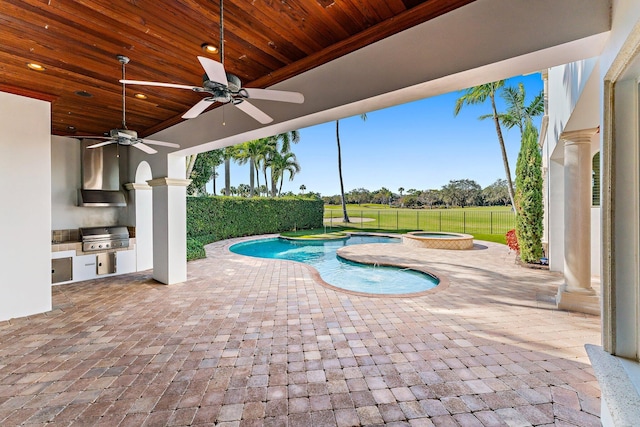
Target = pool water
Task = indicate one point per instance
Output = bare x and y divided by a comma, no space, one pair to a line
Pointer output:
337,271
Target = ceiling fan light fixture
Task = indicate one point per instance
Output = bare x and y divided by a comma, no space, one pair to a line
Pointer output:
140,96
35,67
209,48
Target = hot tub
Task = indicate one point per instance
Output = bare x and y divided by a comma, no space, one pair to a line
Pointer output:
438,240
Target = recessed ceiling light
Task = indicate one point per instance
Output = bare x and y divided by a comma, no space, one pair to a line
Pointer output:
36,67
83,93
140,96
209,48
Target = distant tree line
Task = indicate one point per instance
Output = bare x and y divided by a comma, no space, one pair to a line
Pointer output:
458,193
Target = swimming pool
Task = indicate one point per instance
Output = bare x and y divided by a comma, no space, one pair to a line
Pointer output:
337,271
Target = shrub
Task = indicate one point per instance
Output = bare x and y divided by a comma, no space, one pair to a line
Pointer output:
512,240
195,249
529,210
217,218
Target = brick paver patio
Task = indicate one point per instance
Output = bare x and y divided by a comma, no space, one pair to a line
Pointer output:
251,342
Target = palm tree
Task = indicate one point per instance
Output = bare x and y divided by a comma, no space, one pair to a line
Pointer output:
345,216
277,144
518,114
303,188
288,138
253,152
229,153
281,163
478,95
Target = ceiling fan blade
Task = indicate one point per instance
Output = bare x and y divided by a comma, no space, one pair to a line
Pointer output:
275,95
100,144
162,143
145,148
159,84
88,137
197,109
254,112
214,69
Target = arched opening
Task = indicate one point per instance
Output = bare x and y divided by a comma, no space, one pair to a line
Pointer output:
142,198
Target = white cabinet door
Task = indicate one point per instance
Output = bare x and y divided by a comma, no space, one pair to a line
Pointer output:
126,262
84,267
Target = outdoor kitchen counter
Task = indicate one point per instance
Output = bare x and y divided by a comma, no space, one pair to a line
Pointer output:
83,264
77,247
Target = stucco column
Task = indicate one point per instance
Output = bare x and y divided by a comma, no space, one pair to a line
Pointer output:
169,229
577,294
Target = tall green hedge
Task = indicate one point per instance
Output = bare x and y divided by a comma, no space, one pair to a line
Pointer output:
529,210
217,218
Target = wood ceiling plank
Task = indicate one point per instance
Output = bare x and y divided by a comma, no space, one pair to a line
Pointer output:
293,24
371,14
398,6
329,25
247,23
353,17
70,34
407,19
266,41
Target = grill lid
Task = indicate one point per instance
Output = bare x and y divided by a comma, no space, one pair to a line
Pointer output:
100,233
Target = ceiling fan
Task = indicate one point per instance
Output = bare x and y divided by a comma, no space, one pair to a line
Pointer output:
225,87
125,136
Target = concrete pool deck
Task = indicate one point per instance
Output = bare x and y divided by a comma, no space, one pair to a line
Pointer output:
252,342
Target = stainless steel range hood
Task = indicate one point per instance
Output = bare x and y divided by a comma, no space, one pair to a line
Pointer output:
100,176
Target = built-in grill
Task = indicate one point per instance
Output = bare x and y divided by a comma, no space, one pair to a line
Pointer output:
101,238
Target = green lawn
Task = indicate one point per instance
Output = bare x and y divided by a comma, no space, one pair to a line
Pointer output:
489,222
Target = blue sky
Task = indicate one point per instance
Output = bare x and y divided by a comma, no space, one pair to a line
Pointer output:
419,145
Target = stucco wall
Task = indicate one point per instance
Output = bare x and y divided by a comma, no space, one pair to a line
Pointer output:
574,104
25,217
65,182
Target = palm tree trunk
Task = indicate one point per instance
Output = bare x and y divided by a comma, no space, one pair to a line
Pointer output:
344,203
266,182
227,176
214,180
505,159
190,164
257,172
274,183
251,177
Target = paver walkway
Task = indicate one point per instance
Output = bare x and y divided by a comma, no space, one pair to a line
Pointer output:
251,342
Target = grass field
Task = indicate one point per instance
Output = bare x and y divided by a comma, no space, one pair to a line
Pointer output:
490,222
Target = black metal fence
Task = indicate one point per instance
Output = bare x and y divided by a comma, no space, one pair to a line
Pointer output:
457,221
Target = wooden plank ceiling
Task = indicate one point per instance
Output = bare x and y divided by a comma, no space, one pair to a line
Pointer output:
266,41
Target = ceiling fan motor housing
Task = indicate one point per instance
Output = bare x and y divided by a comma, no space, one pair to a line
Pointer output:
119,134
234,82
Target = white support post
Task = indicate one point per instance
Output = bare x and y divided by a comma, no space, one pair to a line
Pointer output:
577,294
169,229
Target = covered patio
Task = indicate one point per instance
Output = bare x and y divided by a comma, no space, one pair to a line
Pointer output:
247,342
